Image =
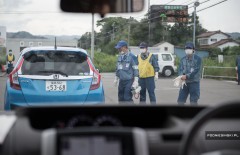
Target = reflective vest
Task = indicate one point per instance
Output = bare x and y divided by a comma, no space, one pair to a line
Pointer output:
10,57
145,67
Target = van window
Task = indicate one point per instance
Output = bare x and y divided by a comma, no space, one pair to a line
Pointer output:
166,57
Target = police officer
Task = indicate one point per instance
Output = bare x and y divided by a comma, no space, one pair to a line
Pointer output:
10,60
126,73
148,73
238,69
190,70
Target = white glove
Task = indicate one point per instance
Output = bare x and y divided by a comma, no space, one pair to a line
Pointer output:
135,83
116,81
156,76
178,82
183,83
236,68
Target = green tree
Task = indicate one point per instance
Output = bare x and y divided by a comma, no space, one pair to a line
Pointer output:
183,32
112,30
235,50
214,52
85,41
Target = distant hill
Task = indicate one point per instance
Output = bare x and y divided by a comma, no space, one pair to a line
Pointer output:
23,34
234,35
63,37
27,35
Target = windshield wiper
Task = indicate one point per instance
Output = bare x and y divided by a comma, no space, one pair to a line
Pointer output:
53,71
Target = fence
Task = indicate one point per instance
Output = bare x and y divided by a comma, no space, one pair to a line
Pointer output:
219,72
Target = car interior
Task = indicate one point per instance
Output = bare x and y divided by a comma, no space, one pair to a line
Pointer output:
121,129
155,129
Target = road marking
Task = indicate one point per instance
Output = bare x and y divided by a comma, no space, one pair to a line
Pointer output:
231,81
167,89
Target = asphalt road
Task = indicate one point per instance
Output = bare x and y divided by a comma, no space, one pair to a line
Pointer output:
2,89
213,92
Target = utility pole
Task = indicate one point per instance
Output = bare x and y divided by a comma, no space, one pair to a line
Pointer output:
149,23
129,31
92,38
164,24
113,31
196,4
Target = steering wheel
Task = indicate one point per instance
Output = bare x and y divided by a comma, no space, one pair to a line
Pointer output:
200,120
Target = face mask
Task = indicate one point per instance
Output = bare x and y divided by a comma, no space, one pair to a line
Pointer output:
143,50
189,51
120,51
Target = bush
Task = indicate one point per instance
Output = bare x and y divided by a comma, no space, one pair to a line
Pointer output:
2,55
105,62
229,61
214,52
2,60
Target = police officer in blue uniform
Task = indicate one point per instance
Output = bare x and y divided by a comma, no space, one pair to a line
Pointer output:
126,73
190,70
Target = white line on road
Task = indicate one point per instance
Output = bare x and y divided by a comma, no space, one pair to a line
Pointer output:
167,89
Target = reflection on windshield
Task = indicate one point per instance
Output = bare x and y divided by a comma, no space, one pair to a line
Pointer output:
47,63
164,26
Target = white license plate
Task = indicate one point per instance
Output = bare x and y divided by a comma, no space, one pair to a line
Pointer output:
56,86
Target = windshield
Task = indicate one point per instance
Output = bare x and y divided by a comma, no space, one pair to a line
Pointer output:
51,62
171,53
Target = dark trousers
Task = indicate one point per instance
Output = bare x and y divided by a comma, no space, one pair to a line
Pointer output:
124,91
147,84
193,89
9,68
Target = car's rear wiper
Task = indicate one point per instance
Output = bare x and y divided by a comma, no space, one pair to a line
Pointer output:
55,72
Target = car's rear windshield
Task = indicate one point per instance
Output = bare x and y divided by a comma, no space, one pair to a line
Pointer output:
55,62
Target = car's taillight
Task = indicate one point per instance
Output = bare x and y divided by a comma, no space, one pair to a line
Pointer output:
96,80
13,77
96,77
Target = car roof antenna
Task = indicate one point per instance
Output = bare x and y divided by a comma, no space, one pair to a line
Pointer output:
55,46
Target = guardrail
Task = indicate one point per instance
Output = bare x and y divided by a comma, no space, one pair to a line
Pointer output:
217,76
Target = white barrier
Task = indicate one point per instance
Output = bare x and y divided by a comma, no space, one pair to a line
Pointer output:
217,67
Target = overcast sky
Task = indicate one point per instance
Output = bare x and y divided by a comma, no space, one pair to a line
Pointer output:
44,17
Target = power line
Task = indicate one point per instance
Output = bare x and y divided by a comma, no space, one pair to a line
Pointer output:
185,2
200,3
191,3
190,7
169,2
212,5
120,28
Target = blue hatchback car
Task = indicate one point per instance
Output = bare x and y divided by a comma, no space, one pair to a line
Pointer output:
49,76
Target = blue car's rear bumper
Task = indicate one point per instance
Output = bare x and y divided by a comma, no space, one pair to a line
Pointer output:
15,98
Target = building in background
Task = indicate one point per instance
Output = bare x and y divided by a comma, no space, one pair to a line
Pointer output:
216,39
3,36
18,44
165,47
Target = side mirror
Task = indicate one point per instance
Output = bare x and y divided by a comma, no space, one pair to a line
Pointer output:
102,6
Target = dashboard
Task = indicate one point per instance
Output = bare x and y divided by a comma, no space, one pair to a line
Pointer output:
164,128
